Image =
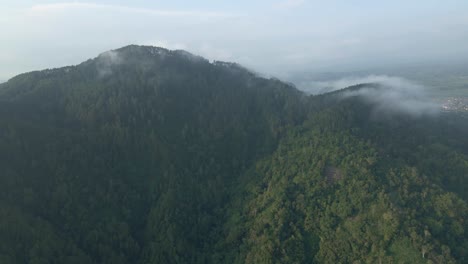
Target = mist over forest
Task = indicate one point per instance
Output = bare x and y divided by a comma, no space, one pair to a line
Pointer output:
150,155
288,131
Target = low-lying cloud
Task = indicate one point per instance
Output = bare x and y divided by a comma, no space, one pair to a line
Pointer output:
393,95
105,62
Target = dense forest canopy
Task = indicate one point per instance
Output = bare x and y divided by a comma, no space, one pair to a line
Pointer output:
146,155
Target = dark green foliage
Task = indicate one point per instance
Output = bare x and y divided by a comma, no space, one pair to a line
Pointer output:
145,155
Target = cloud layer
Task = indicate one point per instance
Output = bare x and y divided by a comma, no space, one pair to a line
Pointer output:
105,62
393,95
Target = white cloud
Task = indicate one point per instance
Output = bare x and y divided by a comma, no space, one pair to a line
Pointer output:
318,87
214,53
395,95
207,50
106,61
166,44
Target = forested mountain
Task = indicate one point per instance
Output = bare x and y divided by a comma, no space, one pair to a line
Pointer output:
146,155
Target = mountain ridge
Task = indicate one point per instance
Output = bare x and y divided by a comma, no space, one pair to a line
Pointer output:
170,159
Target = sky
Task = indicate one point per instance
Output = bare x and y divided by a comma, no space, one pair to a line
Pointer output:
270,37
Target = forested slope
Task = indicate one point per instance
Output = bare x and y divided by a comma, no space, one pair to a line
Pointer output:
145,155
346,187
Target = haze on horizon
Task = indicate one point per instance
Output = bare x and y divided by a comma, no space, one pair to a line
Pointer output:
271,37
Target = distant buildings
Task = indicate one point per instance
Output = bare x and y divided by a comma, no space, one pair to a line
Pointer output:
454,104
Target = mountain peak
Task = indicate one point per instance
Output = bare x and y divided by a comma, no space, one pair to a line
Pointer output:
142,52
142,48
357,87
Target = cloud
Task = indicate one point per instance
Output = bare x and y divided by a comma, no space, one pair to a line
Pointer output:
166,44
393,95
106,61
214,53
320,87
207,50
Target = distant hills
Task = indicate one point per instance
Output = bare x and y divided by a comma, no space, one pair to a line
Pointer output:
442,80
147,155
